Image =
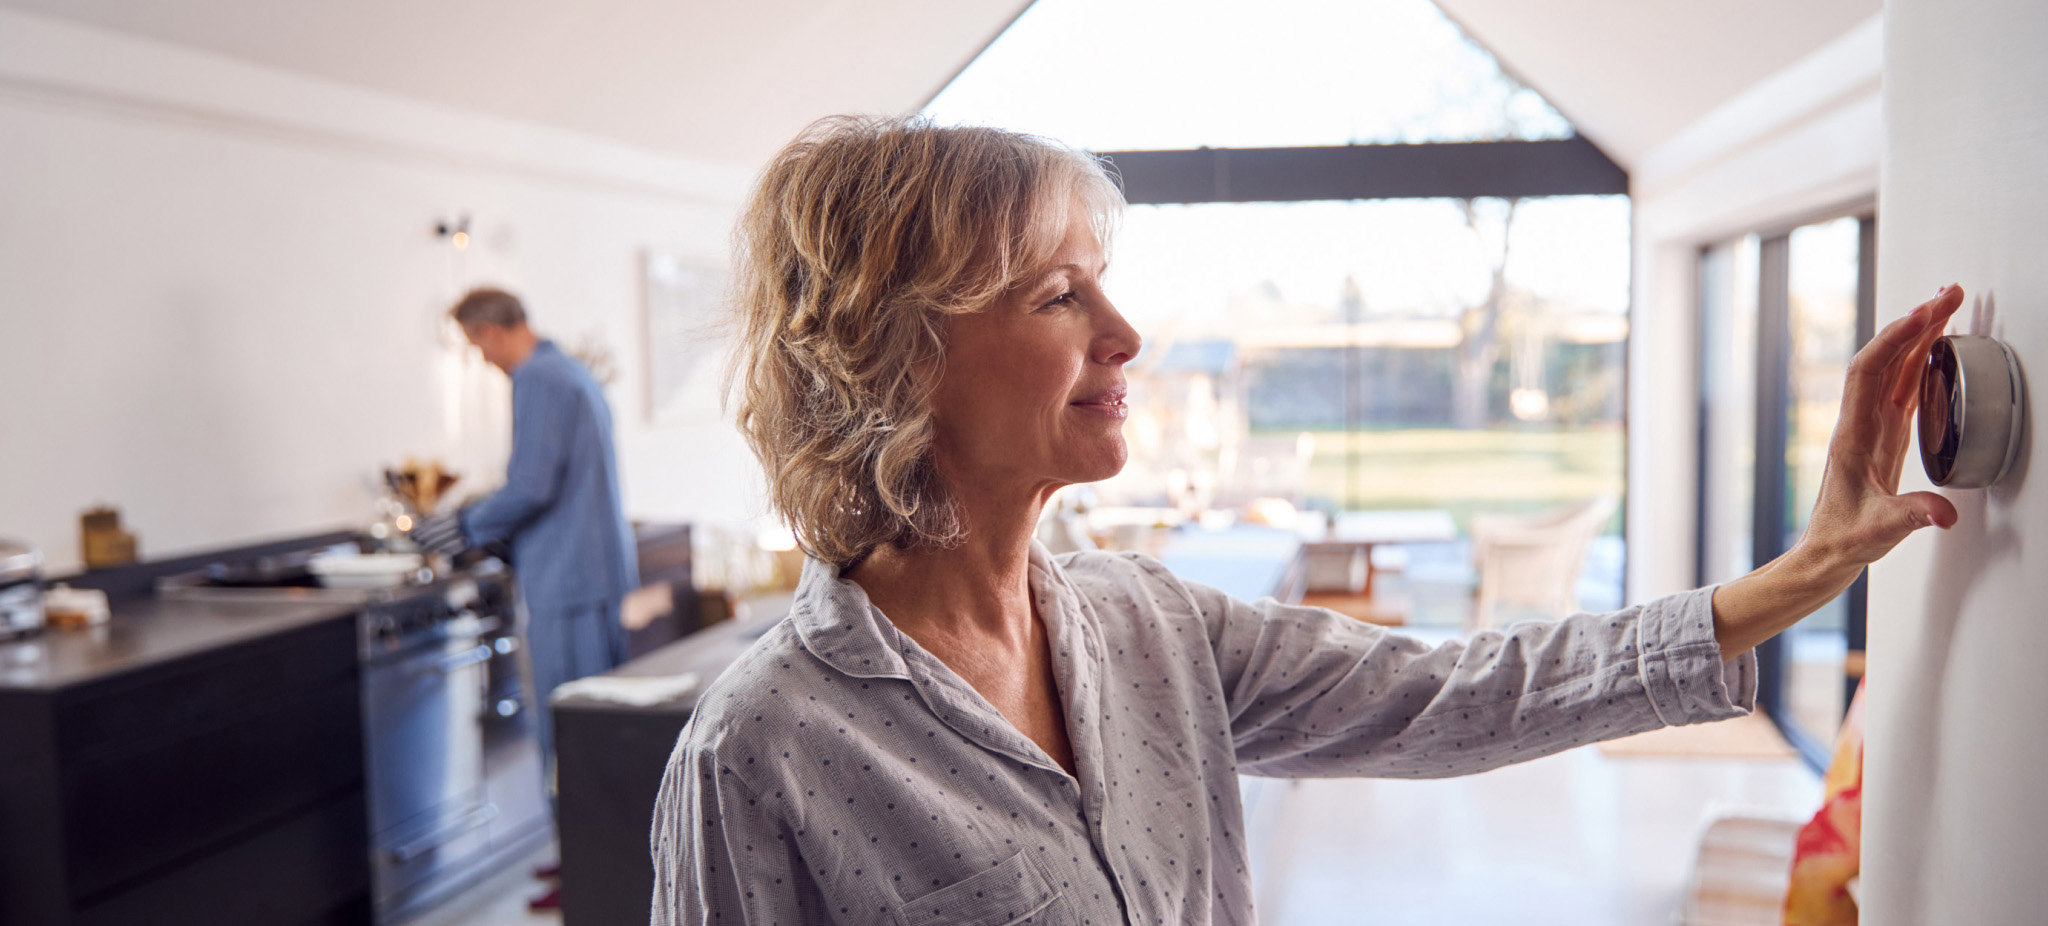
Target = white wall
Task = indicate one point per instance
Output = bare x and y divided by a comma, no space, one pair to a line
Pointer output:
1955,816
221,299
1805,140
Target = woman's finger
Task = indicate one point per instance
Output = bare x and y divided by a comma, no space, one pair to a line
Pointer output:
1938,311
1863,425
1887,422
1911,370
1904,395
1876,359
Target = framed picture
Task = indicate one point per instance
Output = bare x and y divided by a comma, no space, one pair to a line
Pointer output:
683,297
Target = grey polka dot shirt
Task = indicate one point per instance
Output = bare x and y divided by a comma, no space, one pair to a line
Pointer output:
839,773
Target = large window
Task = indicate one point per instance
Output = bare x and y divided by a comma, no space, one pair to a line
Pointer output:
1451,340
1381,355
1125,75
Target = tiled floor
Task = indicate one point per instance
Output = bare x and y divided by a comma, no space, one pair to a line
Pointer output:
1576,838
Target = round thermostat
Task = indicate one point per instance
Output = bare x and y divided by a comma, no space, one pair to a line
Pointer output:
1972,408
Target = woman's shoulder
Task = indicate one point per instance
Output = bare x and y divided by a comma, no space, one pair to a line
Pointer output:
1126,572
767,675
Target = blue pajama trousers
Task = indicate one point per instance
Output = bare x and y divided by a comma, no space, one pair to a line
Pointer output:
566,643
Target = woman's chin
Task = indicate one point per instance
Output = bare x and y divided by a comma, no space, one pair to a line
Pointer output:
1095,467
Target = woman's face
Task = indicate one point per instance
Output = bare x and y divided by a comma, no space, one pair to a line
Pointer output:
1032,397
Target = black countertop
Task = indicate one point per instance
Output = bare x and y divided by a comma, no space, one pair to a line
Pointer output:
149,631
706,652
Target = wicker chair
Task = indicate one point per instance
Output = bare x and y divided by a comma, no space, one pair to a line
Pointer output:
1531,564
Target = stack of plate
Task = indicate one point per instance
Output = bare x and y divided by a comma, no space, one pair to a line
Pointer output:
365,570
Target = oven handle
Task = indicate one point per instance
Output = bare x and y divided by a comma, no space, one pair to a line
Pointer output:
474,655
471,819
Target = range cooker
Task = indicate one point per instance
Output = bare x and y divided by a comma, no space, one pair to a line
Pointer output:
454,769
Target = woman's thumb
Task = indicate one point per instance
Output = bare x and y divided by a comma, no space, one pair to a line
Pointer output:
1930,508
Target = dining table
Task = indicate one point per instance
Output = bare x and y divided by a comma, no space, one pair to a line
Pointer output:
1356,533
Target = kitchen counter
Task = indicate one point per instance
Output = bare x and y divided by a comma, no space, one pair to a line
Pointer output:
609,759
146,632
192,760
186,762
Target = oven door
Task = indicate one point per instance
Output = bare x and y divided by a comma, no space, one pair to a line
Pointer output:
428,808
512,764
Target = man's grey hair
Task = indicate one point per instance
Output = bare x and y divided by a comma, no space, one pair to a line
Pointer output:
486,306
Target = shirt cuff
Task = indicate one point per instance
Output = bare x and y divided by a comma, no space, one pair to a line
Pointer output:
1681,665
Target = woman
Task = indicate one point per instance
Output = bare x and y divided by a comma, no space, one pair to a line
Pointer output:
953,726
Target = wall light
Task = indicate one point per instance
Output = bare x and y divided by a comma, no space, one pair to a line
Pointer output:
457,232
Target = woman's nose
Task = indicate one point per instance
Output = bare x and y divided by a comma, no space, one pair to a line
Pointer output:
1117,342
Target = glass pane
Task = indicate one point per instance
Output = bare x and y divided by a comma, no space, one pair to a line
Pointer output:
1110,75
1381,355
1822,272
1728,304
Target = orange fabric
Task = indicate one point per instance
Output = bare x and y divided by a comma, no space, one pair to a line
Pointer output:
1830,847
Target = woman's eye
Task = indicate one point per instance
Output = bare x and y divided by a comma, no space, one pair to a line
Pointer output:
1066,298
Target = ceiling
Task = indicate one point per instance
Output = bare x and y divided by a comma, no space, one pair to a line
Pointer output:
1632,73
719,81
731,81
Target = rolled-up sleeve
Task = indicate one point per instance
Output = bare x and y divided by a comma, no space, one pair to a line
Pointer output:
1313,693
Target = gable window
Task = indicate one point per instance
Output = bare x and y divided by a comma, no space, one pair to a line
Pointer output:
1374,271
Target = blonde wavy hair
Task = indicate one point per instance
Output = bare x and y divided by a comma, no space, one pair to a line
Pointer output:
861,237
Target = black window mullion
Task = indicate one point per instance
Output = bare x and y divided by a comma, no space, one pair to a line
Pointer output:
1770,523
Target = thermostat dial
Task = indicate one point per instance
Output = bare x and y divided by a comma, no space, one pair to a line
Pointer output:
1972,411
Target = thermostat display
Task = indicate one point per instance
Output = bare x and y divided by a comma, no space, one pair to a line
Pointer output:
1972,410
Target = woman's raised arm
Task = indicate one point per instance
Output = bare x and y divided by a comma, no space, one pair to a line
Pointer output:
1859,516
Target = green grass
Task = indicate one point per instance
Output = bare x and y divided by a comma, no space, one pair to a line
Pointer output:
1502,470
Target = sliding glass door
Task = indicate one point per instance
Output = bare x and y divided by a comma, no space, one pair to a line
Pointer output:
1781,314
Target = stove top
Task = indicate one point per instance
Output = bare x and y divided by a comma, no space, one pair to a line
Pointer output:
389,619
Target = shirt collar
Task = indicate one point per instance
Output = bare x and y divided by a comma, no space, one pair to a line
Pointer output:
544,345
838,624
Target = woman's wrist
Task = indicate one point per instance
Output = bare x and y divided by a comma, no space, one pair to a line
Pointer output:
1778,594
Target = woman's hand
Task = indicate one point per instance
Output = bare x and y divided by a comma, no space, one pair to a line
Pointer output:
1859,516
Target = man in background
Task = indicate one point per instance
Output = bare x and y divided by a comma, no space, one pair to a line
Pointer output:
559,509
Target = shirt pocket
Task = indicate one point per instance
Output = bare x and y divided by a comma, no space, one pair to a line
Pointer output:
1013,892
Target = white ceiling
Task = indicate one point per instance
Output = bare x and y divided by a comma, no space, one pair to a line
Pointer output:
1632,73
730,81
719,80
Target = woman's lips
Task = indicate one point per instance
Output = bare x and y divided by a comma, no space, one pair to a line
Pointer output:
1109,402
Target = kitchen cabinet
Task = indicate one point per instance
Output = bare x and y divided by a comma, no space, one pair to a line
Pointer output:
609,759
190,762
